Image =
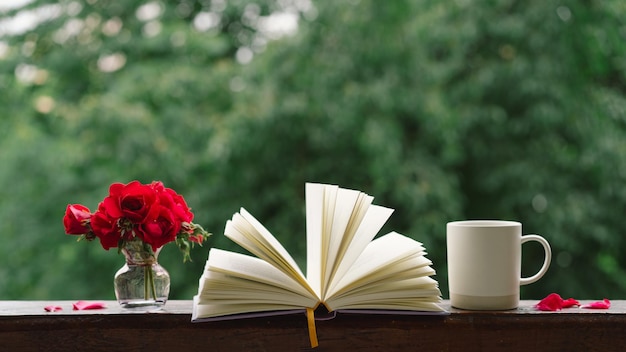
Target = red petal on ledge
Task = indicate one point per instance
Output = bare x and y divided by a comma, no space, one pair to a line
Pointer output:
82,305
551,303
52,308
604,304
570,302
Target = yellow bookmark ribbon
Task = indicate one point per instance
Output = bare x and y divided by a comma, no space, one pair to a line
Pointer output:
310,317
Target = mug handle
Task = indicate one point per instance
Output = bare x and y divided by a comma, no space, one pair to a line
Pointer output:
546,261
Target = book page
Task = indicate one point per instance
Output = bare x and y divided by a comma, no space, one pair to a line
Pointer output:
314,198
340,223
386,257
413,266
253,269
381,296
352,248
227,289
237,277
237,283
249,233
347,212
202,311
407,304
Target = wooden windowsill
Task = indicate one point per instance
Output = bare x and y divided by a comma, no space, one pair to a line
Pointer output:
26,326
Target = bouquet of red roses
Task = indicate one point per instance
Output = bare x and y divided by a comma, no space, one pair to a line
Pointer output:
152,213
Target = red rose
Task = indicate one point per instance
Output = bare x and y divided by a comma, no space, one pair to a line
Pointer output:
161,230
105,228
76,219
134,201
173,201
150,214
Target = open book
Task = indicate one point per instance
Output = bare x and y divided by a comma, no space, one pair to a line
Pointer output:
347,269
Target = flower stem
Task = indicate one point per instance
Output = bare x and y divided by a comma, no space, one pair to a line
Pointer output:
146,280
149,287
152,284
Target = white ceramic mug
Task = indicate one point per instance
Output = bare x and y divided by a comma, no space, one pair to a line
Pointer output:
484,263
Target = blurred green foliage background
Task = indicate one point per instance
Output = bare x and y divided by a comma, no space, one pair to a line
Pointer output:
442,110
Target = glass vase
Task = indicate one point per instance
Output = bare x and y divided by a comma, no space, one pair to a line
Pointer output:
141,283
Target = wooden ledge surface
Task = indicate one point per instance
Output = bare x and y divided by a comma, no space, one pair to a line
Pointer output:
26,326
